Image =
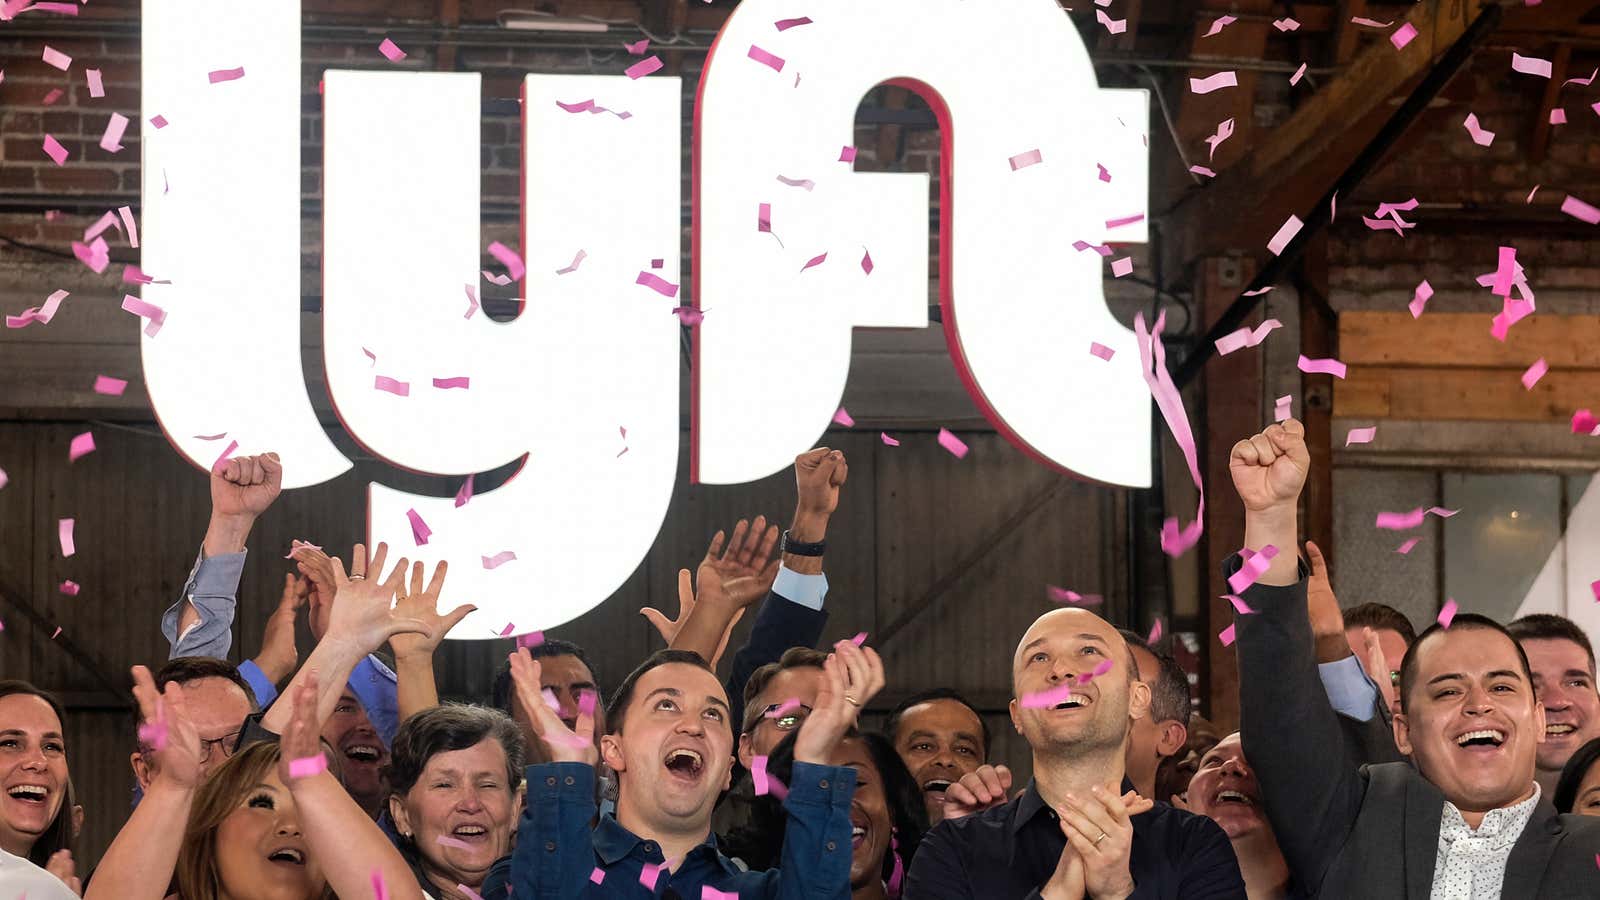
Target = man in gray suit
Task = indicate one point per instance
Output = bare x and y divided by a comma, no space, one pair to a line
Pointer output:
1468,821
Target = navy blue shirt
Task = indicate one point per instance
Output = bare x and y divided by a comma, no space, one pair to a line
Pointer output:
1011,851
560,853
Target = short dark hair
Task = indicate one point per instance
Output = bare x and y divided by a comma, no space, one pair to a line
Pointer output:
1462,621
617,709
1573,773
792,658
184,669
503,690
58,834
1548,627
1169,687
450,726
891,727
1379,615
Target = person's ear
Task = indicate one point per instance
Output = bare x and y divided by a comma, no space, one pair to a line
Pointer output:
727,777
77,820
402,819
1012,707
141,770
1138,700
1171,738
1538,722
1402,733
746,751
611,752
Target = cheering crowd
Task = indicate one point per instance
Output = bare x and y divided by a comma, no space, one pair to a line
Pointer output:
1372,761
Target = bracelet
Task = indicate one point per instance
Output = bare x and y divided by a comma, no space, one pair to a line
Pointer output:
803,548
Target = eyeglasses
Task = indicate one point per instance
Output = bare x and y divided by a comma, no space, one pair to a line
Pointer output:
225,744
789,721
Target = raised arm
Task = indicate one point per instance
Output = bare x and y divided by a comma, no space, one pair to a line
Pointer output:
1309,776
729,580
413,653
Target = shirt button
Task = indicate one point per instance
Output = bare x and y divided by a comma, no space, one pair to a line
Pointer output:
824,784
551,781
550,846
649,846
830,845
569,781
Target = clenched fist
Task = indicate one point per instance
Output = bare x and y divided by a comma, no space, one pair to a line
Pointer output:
1270,469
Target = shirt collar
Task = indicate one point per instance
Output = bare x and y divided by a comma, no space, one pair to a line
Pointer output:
1501,826
613,843
1032,803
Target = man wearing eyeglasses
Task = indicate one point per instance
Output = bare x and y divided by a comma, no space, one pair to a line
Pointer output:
218,699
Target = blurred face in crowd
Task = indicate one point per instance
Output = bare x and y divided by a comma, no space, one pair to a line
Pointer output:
565,676
1060,648
871,827
1587,801
673,753
1563,676
260,852
361,752
799,683
1151,741
1471,722
33,771
218,708
460,813
1392,645
1224,789
939,741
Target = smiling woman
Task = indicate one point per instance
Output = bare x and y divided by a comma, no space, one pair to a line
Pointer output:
35,817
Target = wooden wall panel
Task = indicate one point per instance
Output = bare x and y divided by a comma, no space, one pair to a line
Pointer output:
1462,340
1471,394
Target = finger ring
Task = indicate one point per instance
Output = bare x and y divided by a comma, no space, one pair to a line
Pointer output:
1102,837
358,578
852,701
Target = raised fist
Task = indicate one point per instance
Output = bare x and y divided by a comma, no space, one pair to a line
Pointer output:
1270,469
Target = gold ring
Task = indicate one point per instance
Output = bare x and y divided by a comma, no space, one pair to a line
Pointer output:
852,701
358,578
1102,837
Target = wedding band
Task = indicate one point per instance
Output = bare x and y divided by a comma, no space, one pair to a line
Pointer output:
358,578
852,701
1102,837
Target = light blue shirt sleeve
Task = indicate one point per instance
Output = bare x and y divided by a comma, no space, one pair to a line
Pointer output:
212,586
260,685
1349,690
806,590
378,689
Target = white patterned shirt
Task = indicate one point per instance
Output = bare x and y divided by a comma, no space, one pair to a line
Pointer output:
1471,864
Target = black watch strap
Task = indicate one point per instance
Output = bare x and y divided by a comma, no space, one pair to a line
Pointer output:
803,548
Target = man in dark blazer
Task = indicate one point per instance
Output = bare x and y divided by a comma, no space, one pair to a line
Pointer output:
1467,820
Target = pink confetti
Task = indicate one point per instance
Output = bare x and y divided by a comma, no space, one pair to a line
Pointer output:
391,385
531,639
1062,595
1580,210
1246,337
1370,23
1047,698
129,225
1101,350
1219,23
1202,170
764,217
1291,227
842,417
307,766
775,63
509,259
866,261
1113,26
1534,373
371,356
656,283
1322,366
786,24
153,734
111,140
1155,633
1408,546
1121,266
465,492
1024,160
1558,116
1505,272
445,840
1360,436
888,441
1594,588
1403,35
1239,606
763,783
1153,366
1257,292
1480,136
97,87
1448,613
1584,422
220,75
1298,74
420,532
1100,668
847,154
1396,521
688,316
1224,131
1125,220
814,261
950,442
1226,636
1441,512
380,889
458,381
225,455
82,445
64,534
1104,174
472,301
159,122
1281,411
64,9
111,387
41,314
1213,82
54,150
1101,249
1583,81
1254,566
597,876
1530,65
132,275
1285,24
54,95
859,639
586,703
70,588
95,256
391,51
1419,298
499,559
296,545
576,262
805,183
211,437
637,48
56,58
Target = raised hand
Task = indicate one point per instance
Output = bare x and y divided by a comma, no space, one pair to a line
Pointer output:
317,568
302,739
852,676
422,603
1270,468
62,866
167,729
818,475
362,618
1327,622
732,578
1377,666
984,788
279,655
241,489
1100,832
565,744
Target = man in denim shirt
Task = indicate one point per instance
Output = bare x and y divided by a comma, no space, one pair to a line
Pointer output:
671,745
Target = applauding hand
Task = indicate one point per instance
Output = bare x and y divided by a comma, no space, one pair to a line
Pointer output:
566,744
167,729
362,617
852,676
983,788
422,604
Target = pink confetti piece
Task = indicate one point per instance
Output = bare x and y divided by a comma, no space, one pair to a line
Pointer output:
847,154
866,261
597,876
1403,35
506,632
1155,633
1583,81
56,58
888,441
1024,160
1175,541
1369,23
859,639
420,532
688,316
657,263
64,535
509,259
498,280
1584,422
111,140
1396,225
472,301
764,784
380,889
111,387
1360,436
307,766
1505,272
70,588
842,417
211,437
1202,170
1224,131
464,493
1580,210
159,122
1398,521
1286,232
1104,174
764,217
1408,546
1062,595
1113,26
95,256
1441,512
531,639
153,734
775,63
953,444
805,183
814,262
786,24
41,314
1101,350
1286,24
1480,136
445,840
296,545
64,9
576,262
459,381
1125,220
471,894
1254,566
1448,613
1534,373
1281,411
97,87
51,97
1122,266
1257,292
1558,116
1226,636
1101,249
637,48
220,75
1213,82
548,695
1321,366
1594,588
1246,337
129,225
391,51
787,706
392,386
222,459
656,283
1530,65
586,703
82,445
1419,298
54,150
1101,668
499,559
1218,24
1047,698
1298,74
1239,606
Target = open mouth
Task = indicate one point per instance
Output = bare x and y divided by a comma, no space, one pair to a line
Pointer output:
1560,729
29,793
1073,701
288,855
936,786
1487,738
470,833
1233,797
363,753
685,763
857,836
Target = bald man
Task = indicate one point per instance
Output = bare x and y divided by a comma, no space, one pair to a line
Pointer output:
1079,829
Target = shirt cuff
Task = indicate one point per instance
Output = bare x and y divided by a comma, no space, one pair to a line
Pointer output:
1350,691
805,590
811,784
264,689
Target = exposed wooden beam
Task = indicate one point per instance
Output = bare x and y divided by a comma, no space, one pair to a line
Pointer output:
1462,340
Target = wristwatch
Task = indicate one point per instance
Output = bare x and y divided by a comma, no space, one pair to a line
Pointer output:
803,548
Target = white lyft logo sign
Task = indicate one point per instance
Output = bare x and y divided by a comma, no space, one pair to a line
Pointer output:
593,352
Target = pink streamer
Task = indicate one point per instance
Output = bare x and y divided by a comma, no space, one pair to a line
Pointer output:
1239,606
576,262
805,183
509,259
1213,82
225,455
1530,65
888,441
465,492
153,315
129,225
1246,337
472,301
1125,220
41,314
786,24
1255,565
814,261
1321,366
1408,546
1152,364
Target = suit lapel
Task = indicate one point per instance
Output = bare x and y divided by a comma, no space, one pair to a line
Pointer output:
1424,813
1530,856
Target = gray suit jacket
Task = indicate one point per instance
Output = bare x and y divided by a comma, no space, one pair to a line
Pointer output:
1349,827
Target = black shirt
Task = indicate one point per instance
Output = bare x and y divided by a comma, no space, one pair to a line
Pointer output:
1011,851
